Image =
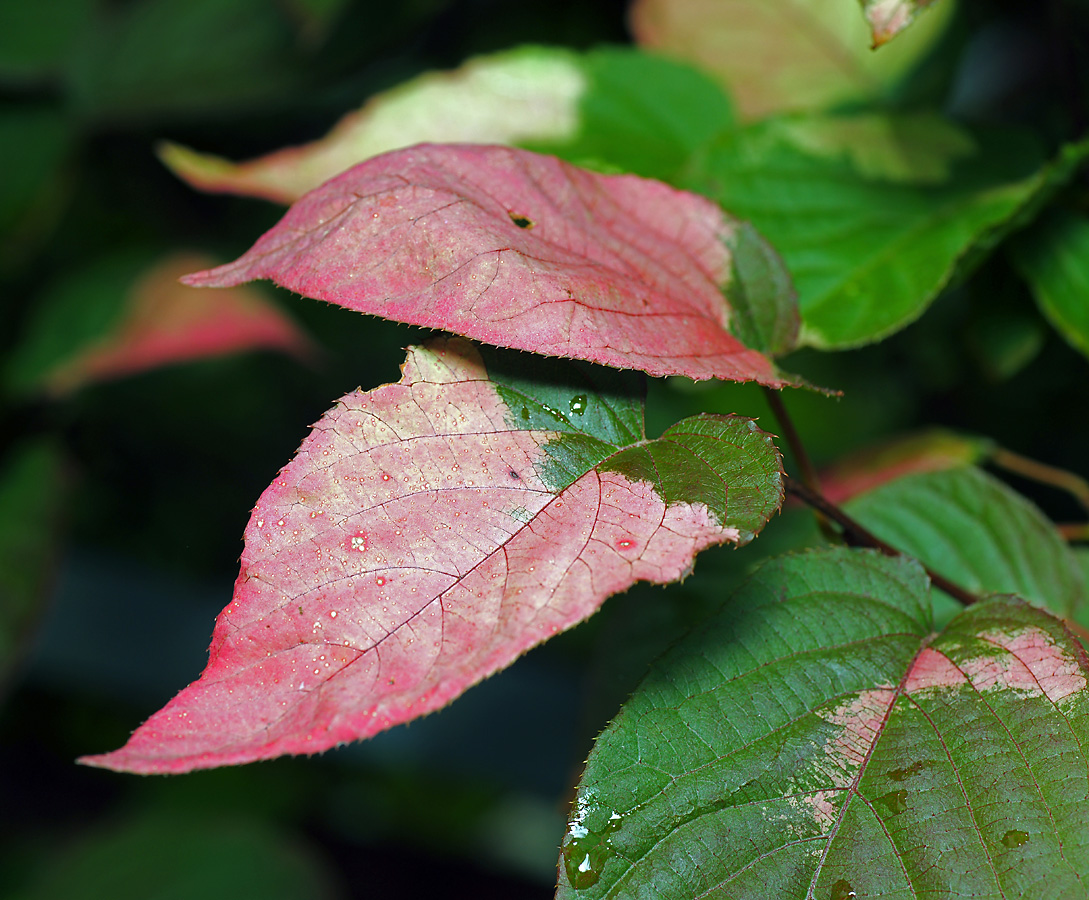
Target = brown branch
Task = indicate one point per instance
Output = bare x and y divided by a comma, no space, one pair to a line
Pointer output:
1039,472
857,535
794,441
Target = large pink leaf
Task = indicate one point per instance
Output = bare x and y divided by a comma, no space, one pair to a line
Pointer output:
429,532
518,250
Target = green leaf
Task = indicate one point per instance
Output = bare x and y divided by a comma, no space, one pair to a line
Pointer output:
36,38
32,487
817,740
763,299
178,856
34,146
642,113
977,532
872,235
616,109
1053,257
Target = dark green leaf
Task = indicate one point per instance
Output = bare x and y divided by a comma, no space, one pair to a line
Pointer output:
977,532
817,740
32,485
1053,257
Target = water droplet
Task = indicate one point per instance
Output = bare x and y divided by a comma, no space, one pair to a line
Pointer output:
842,890
380,581
624,544
1015,838
894,801
359,542
280,523
584,856
333,614
578,404
260,523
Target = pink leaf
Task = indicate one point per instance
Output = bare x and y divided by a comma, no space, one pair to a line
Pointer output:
518,250
418,543
165,322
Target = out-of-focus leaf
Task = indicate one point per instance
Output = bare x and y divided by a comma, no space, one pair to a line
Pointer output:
783,55
817,739
977,532
32,488
34,146
934,450
619,107
183,857
36,39
526,251
888,18
176,56
868,254
1053,257
121,317
1003,342
431,531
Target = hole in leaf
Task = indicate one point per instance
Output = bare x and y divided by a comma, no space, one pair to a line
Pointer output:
521,221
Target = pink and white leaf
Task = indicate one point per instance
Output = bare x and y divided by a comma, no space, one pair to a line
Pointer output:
519,250
412,548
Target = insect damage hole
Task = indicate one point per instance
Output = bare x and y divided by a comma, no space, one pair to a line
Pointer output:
521,221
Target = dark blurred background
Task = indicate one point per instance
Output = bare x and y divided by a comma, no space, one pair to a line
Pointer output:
151,478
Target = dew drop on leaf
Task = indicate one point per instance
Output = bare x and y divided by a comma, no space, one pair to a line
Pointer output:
1015,838
359,542
842,890
578,404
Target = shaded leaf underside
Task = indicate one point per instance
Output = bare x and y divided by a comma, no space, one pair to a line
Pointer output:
519,250
816,740
428,533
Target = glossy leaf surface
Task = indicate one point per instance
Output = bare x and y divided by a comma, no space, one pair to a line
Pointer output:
125,315
782,55
871,237
817,740
429,532
1053,257
521,250
978,532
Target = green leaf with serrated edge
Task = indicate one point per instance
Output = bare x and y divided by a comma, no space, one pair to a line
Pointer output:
614,108
976,531
869,254
431,531
1053,257
816,739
